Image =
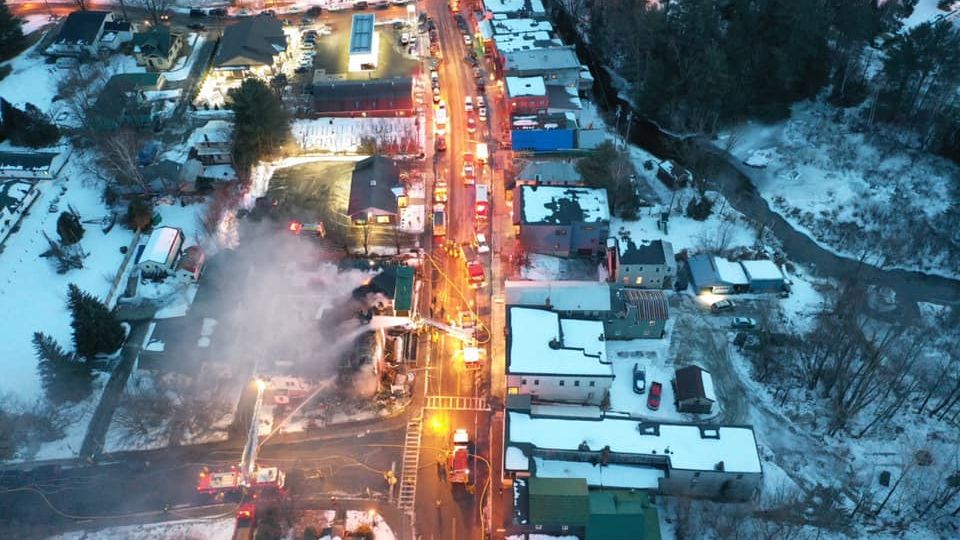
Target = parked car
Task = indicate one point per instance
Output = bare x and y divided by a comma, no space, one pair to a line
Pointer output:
482,245
653,399
196,26
639,379
744,322
436,94
721,305
481,102
471,125
468,104
360,6
472,60
441,143
482,113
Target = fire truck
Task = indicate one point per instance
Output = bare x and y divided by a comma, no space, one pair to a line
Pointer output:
439,220
469,170
298,228
458,461
440,191
483,202
476,275
248,478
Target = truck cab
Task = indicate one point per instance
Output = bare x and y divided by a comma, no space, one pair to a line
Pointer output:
458,462
476,275
439,221
469,170
482,207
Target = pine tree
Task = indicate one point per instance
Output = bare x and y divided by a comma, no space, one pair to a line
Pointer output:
11,32
28,127
69,228
64,378
262,125
95,329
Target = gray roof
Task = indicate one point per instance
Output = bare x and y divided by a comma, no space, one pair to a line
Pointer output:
361,34
371,186
552,172
650,305
30,161
252,41
702,271
642,253
550,59
82,27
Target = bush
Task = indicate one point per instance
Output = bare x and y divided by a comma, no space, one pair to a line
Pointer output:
139,214
699,208
28,127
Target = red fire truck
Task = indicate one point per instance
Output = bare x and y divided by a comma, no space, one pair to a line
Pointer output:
476,275
458,462
483,202
246,522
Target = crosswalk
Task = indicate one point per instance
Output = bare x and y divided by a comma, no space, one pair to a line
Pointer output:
457,403
411,462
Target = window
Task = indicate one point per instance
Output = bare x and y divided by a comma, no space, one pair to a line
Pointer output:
657,269
626,280
563,383
513,391
593,383
639,280
383,219
523,382
576,383
653,323
536,382
640,269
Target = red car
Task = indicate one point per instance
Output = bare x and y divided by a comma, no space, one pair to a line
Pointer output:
653,398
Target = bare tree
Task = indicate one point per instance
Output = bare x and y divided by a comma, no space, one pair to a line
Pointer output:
156,9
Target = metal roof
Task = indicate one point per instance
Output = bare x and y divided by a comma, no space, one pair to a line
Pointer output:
361,33
651,304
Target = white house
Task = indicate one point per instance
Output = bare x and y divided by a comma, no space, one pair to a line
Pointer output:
646,265
211,143
554,359
81,34
159,257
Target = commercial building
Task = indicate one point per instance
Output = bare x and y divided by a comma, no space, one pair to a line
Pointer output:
526,95
717,462
562,221
374,190
764,275
543,133
556,360
550,173
375,97
364,43
557,65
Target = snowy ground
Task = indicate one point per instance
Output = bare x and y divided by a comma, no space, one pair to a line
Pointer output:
851,194
547,267
183,66
193,529
381,530
32,23
346,135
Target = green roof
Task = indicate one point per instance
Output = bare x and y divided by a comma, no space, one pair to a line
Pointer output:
139,80
158,39
622,515
558,501
403,293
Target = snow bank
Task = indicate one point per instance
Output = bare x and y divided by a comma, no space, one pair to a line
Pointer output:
195,529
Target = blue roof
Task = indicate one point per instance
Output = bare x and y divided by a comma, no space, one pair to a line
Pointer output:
703,274
361,34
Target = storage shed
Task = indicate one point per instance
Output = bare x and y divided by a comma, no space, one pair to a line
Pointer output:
763,275
160,255
693,388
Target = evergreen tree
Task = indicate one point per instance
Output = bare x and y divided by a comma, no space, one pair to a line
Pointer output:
95,328
261,125
69,228
29,127
139,214
64,378
11,32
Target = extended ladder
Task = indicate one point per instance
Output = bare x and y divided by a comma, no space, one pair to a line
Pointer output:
457,403
411,462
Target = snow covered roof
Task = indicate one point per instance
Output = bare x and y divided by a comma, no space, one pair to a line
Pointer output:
645,252
693,382
516,460
557,205
503,6
560,295
526,41
13,193
611,476
162,243
516,26
223,172
762,270
540,342
82,27
690,447
730,272
554,58
213,132
526,86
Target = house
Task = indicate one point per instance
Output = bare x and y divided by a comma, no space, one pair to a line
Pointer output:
543,133
689,460
636,314
562,221
159,257
16,196
622,515
80,34
374,190
693,389
556,360
157,48
514,8
251,44
716,275
373,97
556,503
557,65
550,173
115,34
211,144
526,95
29,164
648,264
564,100
191,264
625,313
394,285
123,101
764,275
